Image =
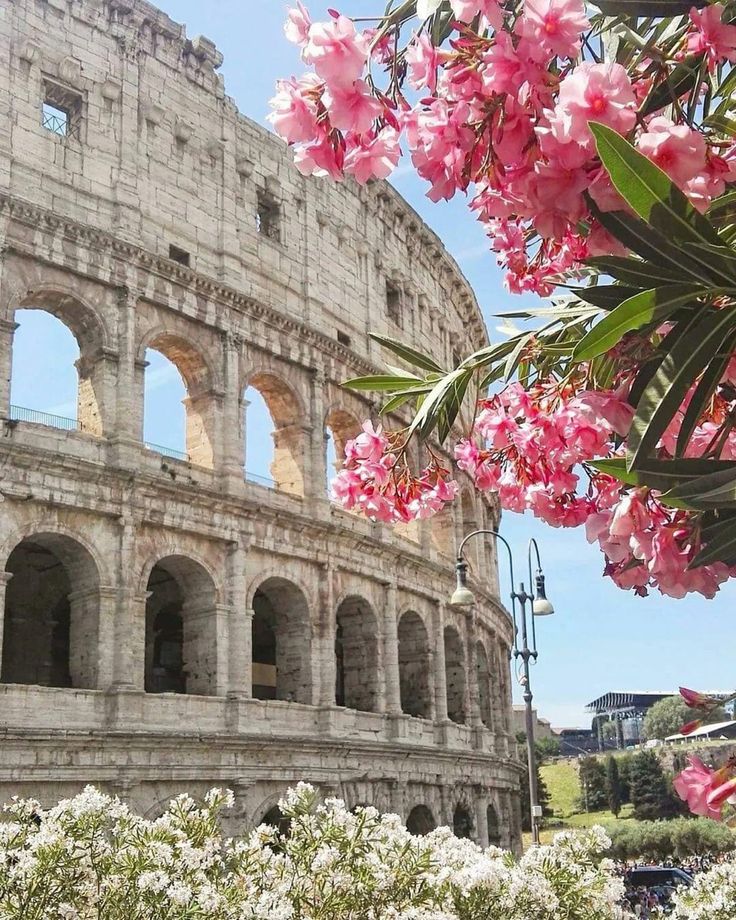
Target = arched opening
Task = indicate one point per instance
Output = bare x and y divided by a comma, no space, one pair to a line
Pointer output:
483,672
181,629
281,643
462,823
414,668
274,435
51,620
340,427
494,826
178,396
356,654
442,531
274,817
50,384
420,821
454,675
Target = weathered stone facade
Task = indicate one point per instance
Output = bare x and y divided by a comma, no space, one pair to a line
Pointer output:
167,624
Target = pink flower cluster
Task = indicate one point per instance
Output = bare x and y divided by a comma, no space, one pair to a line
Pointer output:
506,112
706,791
376,481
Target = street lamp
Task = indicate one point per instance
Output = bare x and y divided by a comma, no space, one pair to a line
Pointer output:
540,607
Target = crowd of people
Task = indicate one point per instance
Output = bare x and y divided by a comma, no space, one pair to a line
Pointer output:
650,902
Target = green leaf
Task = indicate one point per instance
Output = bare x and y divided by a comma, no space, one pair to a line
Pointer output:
680,81
640,310
662,475
606,296
407,353
703,392
649,191
721,260
715,489
721,123
654,248
631,271
444,390
383,382
720,546
452,405
688,357
653,8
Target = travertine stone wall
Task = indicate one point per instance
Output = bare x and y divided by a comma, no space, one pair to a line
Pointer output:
129,579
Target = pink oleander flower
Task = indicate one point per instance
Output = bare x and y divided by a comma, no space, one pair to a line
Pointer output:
711,35
467,10
678,150
695,785
352,108
593,92
370,445
337,51
553,27
294,115
319,158
422,58
373,157
296,27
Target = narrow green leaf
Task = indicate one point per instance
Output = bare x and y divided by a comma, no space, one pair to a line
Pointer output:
689,356
407,353
722,260
703,392
653,8
607,296
451,407
639,310
382,382
720,546
633,272
721,123
679,82
396,402
649,191
662,475
426,418
715,490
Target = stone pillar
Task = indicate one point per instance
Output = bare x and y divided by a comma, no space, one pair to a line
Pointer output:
445,817
398,795
481,816
205,644
7,330
128,430
392,683
127,207
323,655
98,391
4,579
204,427
471,683
515,838
240,665
91,624
291,465
440,675
232,460
315,473
129,634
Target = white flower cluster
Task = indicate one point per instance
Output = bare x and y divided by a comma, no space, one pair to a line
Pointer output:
90,857
712,895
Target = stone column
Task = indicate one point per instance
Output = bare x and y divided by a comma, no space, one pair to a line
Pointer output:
205,644
291,465
4,579
240,665
481,816
128,427
440,674
471,684
204,427
324,675
99,388
7,330
84,637
127,208
315,473
232,460
392,680
129,633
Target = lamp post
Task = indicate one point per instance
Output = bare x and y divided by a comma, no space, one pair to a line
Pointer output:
540,607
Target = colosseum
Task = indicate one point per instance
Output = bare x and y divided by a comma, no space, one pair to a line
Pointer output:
168,623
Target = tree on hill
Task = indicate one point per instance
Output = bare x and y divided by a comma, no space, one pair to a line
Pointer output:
592,776
542,791
547,747
649,790
613,786
668,716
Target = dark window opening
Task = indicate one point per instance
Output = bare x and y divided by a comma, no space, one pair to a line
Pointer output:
61,110
268,217
462,823
343,338
339,667
179,255
264,650
393,303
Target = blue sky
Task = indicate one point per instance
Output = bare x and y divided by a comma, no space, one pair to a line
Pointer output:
601,638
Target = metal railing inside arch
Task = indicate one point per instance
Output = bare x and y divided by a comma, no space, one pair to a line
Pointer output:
48,419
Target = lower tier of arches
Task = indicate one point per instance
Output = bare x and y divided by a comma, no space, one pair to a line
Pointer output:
477,796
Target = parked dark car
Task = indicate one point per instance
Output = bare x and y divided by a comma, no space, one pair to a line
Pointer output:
658,877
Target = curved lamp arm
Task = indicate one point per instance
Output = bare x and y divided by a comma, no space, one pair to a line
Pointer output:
497,535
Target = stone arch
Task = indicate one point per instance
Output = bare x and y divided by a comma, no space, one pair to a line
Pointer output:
86,325
414,666
289,419
483,680
462,821
281,641
201,404
356,654
494,826
454,675
340,426
420,821
181,627
51,622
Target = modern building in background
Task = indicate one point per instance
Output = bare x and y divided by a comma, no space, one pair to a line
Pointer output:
542,727
166,623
